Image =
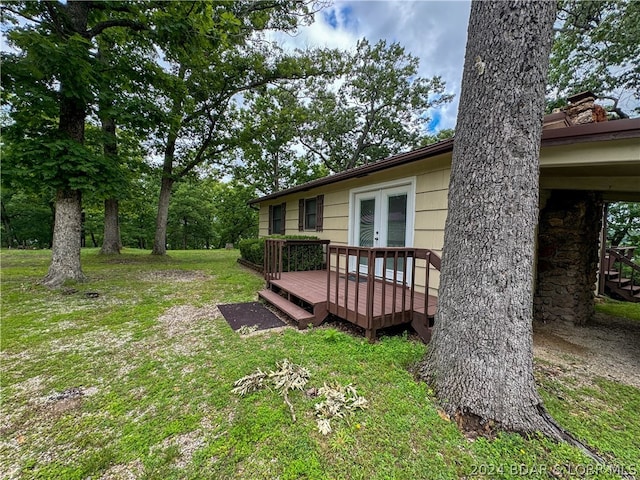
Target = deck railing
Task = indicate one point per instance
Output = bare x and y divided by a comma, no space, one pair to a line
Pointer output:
292,255
627,279
396,279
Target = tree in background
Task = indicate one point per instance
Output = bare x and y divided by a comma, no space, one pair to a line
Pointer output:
222,56
623,224
138,210
269,155
377,108
126,112
480,360
234,218
597,48
191,213
49,85
443,134
27,217
267,139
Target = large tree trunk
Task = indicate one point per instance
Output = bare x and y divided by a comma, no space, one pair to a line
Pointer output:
67,227
480,361
65,261
111,242
160,240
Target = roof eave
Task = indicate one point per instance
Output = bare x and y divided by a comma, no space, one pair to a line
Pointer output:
612,130
439,148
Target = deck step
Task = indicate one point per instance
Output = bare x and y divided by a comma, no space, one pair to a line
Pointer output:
297,313
631,288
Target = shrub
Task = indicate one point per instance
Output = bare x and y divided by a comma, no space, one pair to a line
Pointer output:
300,258
252,250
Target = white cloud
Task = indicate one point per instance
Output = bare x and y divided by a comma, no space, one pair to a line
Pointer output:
434,31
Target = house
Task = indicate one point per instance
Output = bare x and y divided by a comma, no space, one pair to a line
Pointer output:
382,226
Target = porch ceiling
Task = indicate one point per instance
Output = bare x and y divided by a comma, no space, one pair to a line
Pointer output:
617,182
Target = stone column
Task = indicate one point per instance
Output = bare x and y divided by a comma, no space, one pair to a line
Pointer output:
568,239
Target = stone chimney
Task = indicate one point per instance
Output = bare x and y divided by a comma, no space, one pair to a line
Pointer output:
582,109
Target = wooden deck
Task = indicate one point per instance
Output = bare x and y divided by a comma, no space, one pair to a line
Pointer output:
309,289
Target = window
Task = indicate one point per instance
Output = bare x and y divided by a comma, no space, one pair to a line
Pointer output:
310,213
277,219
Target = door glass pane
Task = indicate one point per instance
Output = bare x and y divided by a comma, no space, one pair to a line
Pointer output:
367,227
396,229
397,221
367,215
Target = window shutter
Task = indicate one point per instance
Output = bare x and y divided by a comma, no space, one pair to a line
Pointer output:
284,218
270,219
301,215
319,212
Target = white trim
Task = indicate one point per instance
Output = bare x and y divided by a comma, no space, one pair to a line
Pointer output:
411,205
381,191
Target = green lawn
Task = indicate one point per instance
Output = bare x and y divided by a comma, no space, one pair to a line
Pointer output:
616,308
157,362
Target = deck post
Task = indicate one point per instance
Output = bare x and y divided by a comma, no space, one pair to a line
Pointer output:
370,287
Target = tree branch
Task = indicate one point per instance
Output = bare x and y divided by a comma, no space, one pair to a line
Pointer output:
117,22
20,14
617,110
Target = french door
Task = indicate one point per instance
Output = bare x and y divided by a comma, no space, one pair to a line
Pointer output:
383,218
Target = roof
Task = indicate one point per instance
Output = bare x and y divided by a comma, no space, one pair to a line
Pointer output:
590,132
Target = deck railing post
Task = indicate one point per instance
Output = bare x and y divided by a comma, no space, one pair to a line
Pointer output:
412,287
371,271
426,282
357,284
328,263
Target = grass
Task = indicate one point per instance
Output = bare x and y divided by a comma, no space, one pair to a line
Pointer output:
157,363
617,308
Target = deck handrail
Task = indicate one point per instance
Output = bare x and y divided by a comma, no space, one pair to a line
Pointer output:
622,257
286,255
401,284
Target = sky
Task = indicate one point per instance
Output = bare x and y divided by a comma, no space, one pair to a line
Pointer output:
433,31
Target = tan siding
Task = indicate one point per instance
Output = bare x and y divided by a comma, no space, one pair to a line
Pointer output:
431,209
432,200
433,180
263,223
430,220
431,239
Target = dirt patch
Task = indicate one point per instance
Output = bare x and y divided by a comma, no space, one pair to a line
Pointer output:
187,444
179,320
608,348
174,276
130,471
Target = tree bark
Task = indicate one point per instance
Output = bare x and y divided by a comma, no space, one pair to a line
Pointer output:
111,242
160,240
65,261
481,361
